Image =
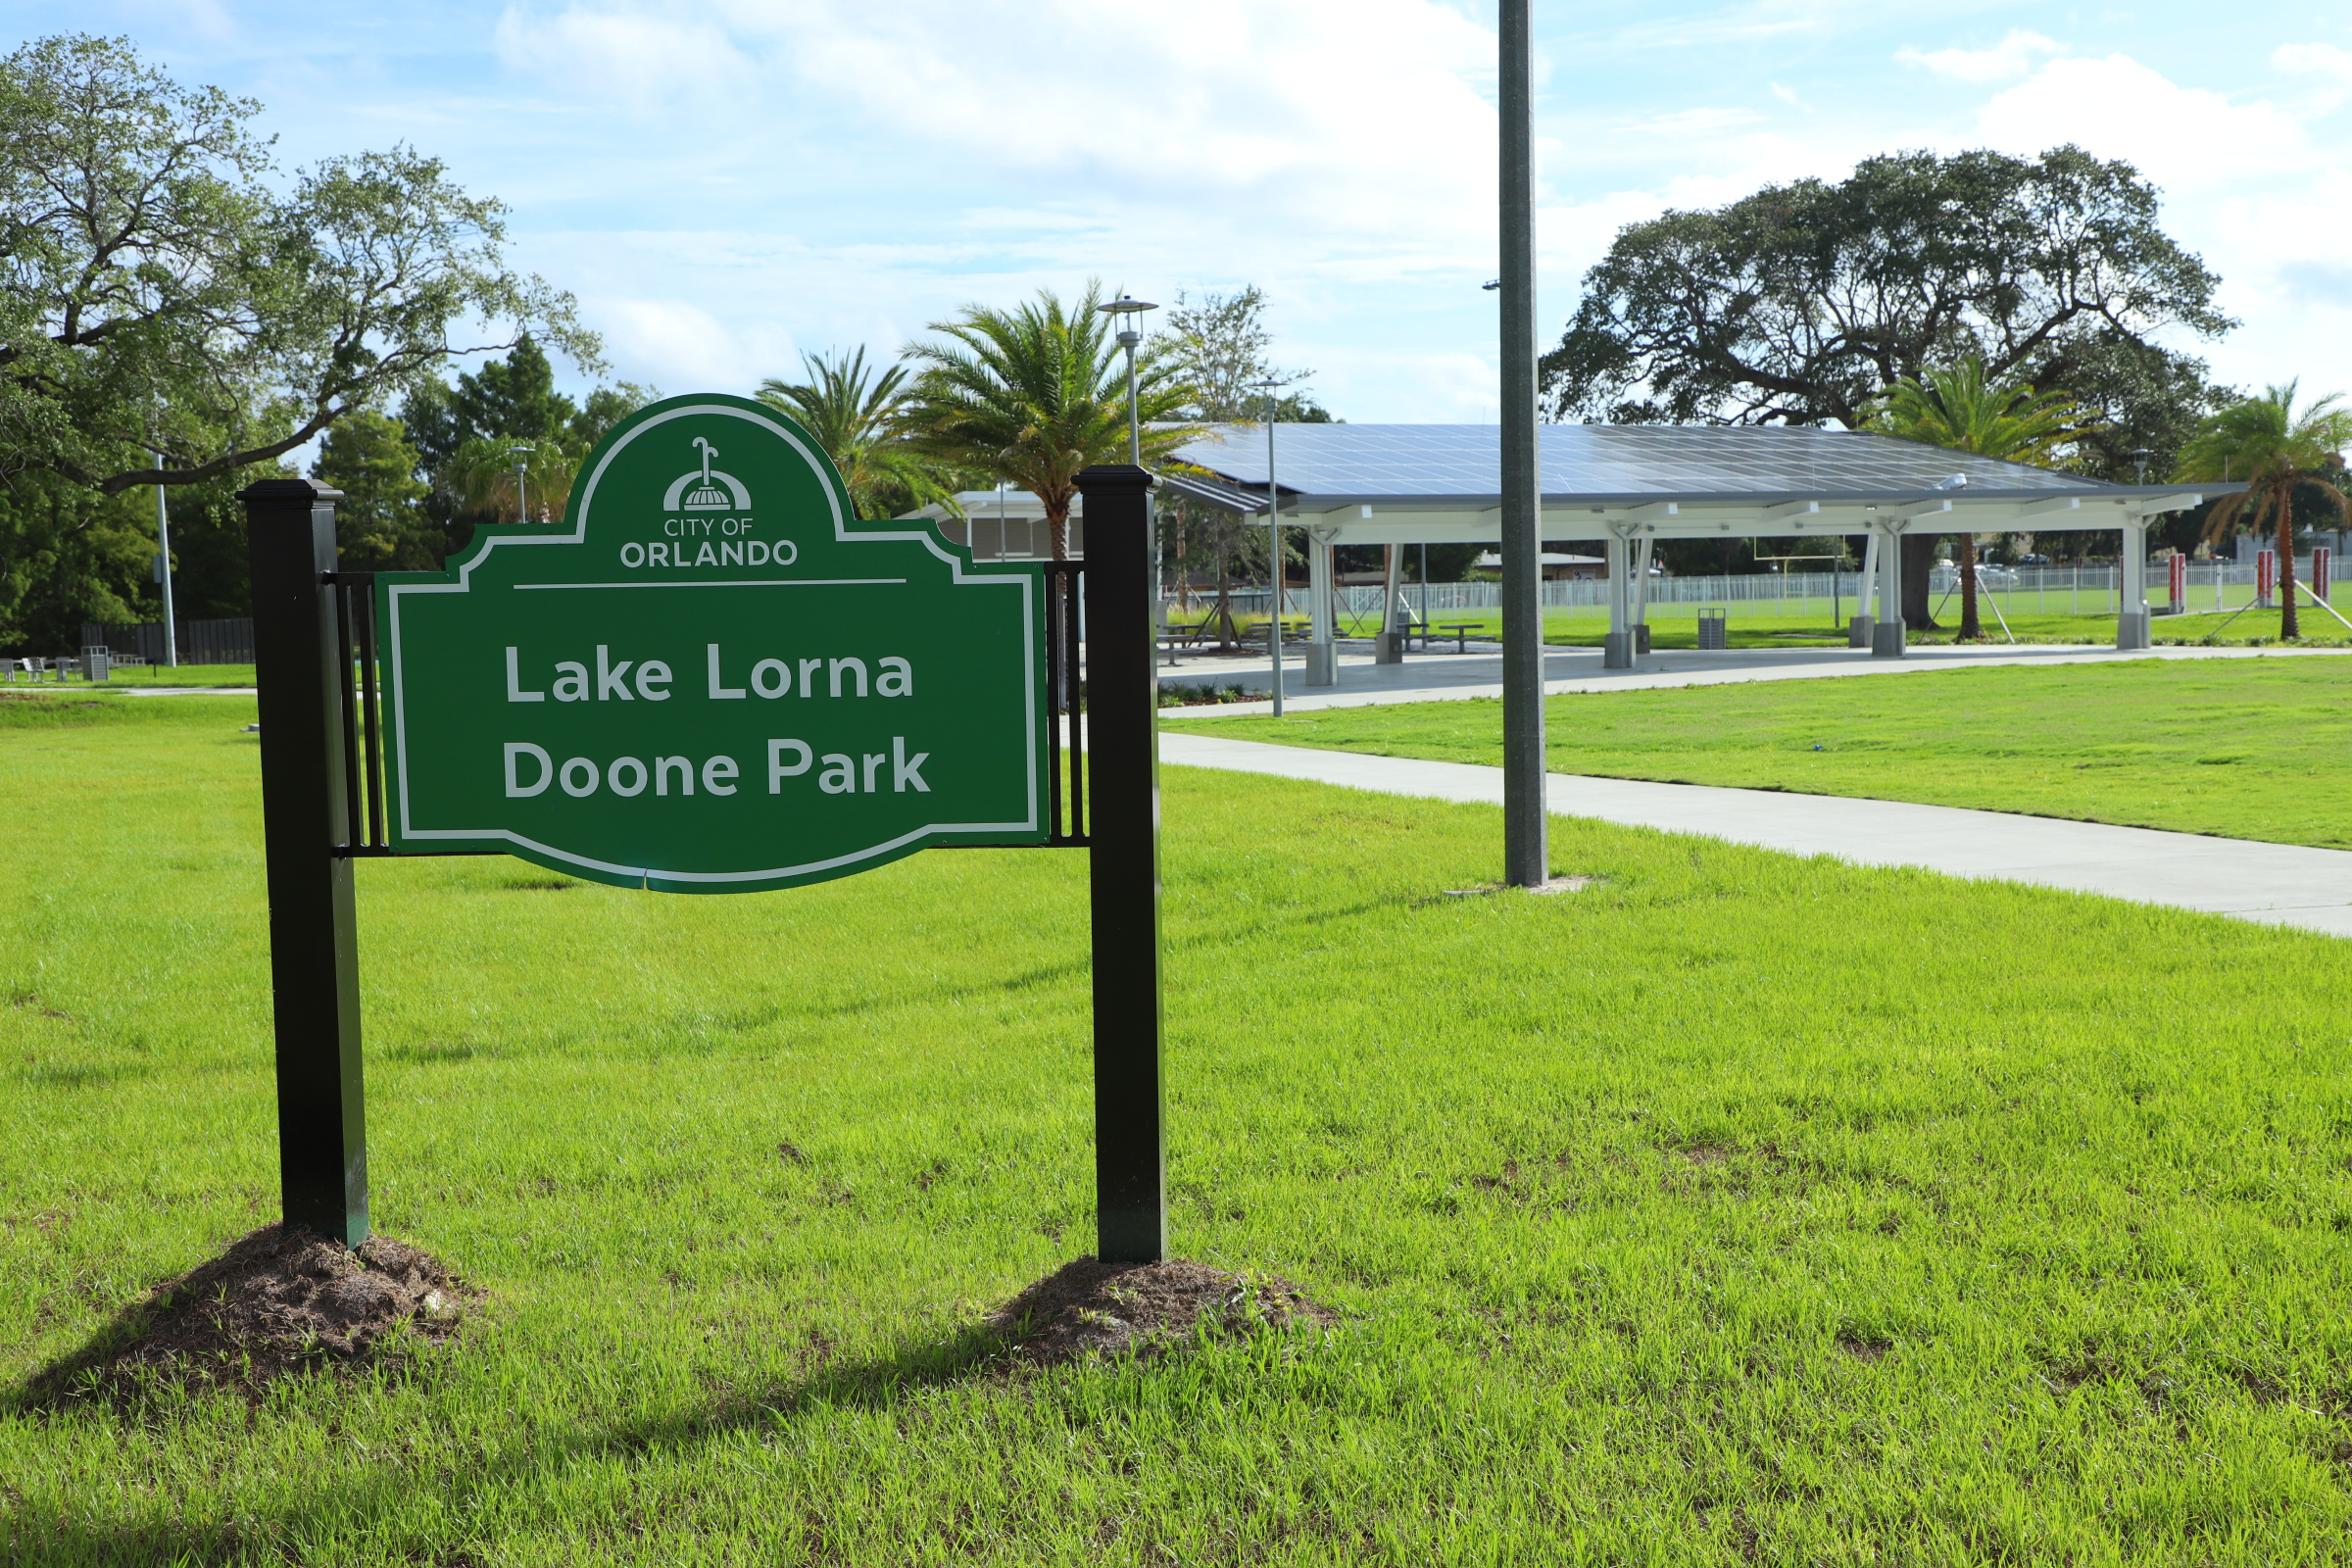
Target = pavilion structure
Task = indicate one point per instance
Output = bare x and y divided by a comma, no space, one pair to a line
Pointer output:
1625,487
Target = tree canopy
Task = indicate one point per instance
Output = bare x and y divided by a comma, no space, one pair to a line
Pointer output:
165,291
464,435
1218,346
1800,303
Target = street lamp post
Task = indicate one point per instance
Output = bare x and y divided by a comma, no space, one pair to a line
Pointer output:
523,463
1274,542
1123,311
163,571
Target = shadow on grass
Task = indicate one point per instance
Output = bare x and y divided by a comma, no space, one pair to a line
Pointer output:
352,1505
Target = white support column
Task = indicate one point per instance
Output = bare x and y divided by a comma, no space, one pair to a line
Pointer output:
1866,595
1322,662
1617,648
2131,618
1387,648
1887,626
1640,617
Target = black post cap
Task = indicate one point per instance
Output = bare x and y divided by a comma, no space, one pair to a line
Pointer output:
285,489
1115,476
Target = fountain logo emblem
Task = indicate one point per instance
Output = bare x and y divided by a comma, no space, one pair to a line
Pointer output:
706,489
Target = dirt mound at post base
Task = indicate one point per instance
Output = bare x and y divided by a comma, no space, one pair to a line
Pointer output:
1089,1308
275,1301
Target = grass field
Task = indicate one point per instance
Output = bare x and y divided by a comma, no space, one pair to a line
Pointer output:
1739,1208
2248,748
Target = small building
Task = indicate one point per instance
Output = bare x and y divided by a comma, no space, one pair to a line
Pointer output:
1557,566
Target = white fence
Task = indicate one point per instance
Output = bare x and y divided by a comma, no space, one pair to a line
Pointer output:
2029,590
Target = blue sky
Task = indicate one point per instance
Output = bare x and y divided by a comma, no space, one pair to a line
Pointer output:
727,185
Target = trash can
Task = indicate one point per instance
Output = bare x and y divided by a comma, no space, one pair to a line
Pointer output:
1711,631
97,663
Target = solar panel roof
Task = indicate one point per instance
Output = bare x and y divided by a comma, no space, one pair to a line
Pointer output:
1608,462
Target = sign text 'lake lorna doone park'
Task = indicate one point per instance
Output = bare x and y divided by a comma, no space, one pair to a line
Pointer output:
711,677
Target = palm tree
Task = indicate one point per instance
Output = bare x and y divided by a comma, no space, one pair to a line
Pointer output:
1034,395
484,471
859,415
2277,452
1960,409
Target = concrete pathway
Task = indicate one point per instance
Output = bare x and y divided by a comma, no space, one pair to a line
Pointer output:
2277,883
1445,677
182,691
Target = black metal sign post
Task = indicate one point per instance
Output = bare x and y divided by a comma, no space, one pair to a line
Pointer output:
1122,753
303,675
320,759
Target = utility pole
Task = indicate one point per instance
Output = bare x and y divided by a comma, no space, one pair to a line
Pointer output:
1526,851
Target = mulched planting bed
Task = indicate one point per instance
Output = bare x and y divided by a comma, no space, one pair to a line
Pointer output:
275,1301
1087,1308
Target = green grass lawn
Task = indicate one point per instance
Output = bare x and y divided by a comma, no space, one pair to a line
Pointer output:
1738,1209
2248,748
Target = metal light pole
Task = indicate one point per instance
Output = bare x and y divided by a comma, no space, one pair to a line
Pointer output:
522,462
163,572
1526,851
1123,311
1274,541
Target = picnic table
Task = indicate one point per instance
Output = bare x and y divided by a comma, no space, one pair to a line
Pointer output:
1458,630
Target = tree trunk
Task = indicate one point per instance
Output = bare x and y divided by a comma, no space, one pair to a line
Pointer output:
1058,525
2289,625
1919,559
1971,629
1223,614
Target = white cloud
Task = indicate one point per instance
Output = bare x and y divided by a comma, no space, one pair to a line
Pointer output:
1349,115
678,346
2313,59
2184,139
2012,57
1694,122
645,62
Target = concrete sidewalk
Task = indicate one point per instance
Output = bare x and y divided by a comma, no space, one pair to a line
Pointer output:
2280,884
1448,676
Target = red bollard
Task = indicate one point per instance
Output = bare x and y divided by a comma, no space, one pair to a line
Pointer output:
2178,583
2266,575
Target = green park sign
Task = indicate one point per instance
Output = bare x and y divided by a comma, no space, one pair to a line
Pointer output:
713,677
